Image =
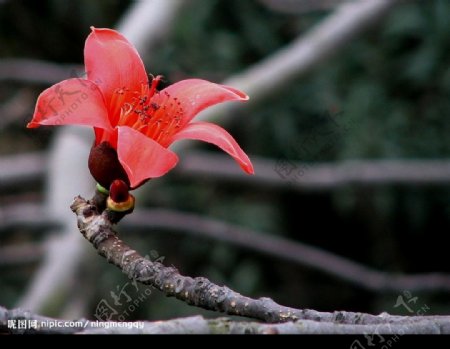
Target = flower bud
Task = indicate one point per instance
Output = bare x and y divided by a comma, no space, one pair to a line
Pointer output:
119,202
104,165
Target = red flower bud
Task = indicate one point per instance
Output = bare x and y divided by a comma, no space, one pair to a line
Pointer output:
119,200
105,166
118,191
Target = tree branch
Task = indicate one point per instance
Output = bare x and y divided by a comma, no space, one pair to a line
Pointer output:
26,216
20,254
33,217
32,71
302,55
67,171
293,251
200,325
19,105
201,292
319,176
146,23
301,6
22,169
19,170
63,249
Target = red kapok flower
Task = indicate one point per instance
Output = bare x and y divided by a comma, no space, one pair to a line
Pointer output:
134,123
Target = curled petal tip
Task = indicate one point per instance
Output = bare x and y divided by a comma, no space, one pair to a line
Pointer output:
95,30
245,164
242,96
248,168
214,134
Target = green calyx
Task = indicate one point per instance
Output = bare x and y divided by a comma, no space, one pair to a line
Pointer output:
102,189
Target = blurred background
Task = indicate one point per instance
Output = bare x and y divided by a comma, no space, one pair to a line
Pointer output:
348,210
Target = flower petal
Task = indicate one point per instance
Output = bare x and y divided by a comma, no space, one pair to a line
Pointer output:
211,133
71,102
142,157
194,95
113,63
